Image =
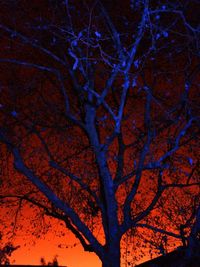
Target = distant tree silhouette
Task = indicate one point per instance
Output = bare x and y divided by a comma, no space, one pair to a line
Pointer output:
53,263
99,120
6,251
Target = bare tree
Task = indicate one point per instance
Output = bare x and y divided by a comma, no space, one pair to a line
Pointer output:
99,112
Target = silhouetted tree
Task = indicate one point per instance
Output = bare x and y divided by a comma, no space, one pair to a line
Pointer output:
100,112
6,251
53,263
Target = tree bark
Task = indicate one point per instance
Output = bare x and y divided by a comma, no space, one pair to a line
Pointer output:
112,257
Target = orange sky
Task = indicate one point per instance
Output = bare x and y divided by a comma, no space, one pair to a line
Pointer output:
67,248
47,247
58,241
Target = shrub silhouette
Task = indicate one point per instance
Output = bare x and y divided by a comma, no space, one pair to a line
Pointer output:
53,263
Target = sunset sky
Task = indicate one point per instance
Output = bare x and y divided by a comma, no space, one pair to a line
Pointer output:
68,250
48,248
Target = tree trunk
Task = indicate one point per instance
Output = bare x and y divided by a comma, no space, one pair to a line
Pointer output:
111,262
112,257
